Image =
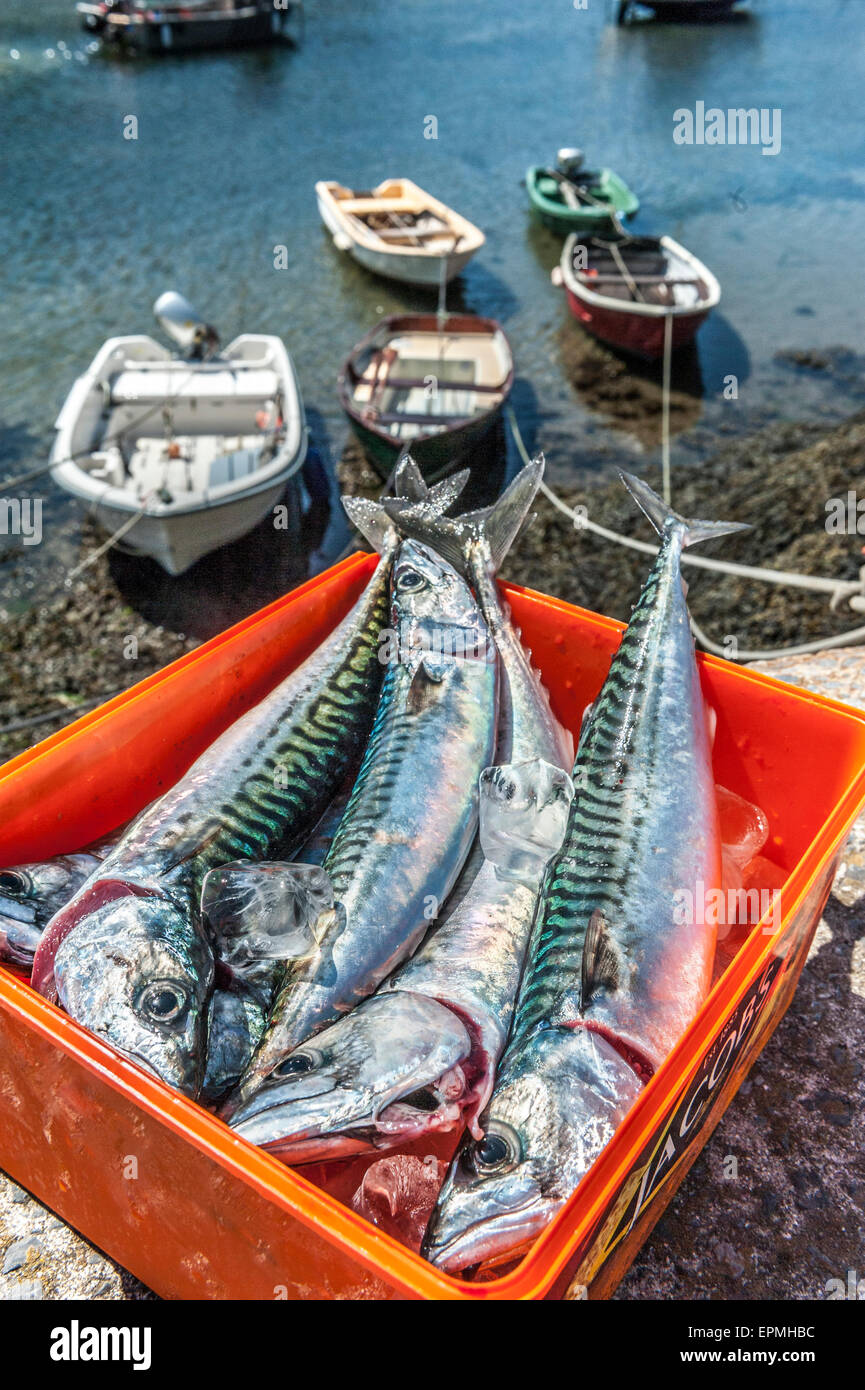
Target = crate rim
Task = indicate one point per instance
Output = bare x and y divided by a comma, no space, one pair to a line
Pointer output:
380,1254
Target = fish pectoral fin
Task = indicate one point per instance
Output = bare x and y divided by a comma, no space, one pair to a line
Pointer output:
425,688
190,847
270,911
601,965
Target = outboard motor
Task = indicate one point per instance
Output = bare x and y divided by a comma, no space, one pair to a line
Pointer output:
569,162
176,316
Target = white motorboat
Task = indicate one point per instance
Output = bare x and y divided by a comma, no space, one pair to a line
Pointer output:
178,455
399,231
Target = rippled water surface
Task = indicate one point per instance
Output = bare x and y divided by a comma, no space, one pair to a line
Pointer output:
230,145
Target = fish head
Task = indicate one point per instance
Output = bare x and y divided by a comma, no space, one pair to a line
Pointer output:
30,894
384,1073
134,971
433,608
559,1097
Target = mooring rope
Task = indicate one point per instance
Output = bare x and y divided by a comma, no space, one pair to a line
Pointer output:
837,589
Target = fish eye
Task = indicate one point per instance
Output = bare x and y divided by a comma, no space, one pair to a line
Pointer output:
498,1150
163,1001
409,579
296,1065
14,883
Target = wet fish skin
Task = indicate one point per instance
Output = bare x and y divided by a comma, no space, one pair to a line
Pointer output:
30,894
476,543
419,1056
367,1081
611,980
254,792
411,818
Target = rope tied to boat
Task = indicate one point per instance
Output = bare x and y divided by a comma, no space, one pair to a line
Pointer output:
853,590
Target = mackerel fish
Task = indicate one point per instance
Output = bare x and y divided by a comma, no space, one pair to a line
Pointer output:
128,956
612,979
408,826
420,1055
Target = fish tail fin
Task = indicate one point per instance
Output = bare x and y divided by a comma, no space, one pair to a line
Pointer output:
371,520
451,537
665,519
501,522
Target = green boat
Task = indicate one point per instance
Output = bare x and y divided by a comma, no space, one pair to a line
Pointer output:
570,198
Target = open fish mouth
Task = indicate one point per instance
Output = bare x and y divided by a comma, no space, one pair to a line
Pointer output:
294,1127
491,1238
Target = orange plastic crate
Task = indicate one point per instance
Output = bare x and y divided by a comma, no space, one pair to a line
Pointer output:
196,1212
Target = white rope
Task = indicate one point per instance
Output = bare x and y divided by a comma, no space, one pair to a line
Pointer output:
837,588
101,549
665,411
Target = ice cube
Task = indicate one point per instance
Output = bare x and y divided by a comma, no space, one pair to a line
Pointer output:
743,826
266,911
523,816
398,1194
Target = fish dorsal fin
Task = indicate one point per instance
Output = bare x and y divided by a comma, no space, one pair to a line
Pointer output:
665,520
424,690
601,966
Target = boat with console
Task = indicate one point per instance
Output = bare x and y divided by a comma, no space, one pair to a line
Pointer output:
173,26
176,455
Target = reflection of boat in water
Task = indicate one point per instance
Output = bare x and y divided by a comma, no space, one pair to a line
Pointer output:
433,385
623,290
179,455
172,26
571,198
399,231
676,9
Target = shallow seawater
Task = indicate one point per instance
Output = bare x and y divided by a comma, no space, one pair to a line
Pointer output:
95,226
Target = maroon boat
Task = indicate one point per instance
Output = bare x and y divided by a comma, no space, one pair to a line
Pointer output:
624,289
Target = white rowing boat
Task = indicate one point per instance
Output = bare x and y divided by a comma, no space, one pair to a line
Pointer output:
177,455
399,231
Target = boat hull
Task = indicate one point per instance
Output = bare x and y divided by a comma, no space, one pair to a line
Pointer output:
560,218
680,9
169,35
424,271
644,337
435,454
178,541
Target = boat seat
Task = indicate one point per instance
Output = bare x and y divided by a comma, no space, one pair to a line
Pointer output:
146,385
107,466
236,463
363,207
207,461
